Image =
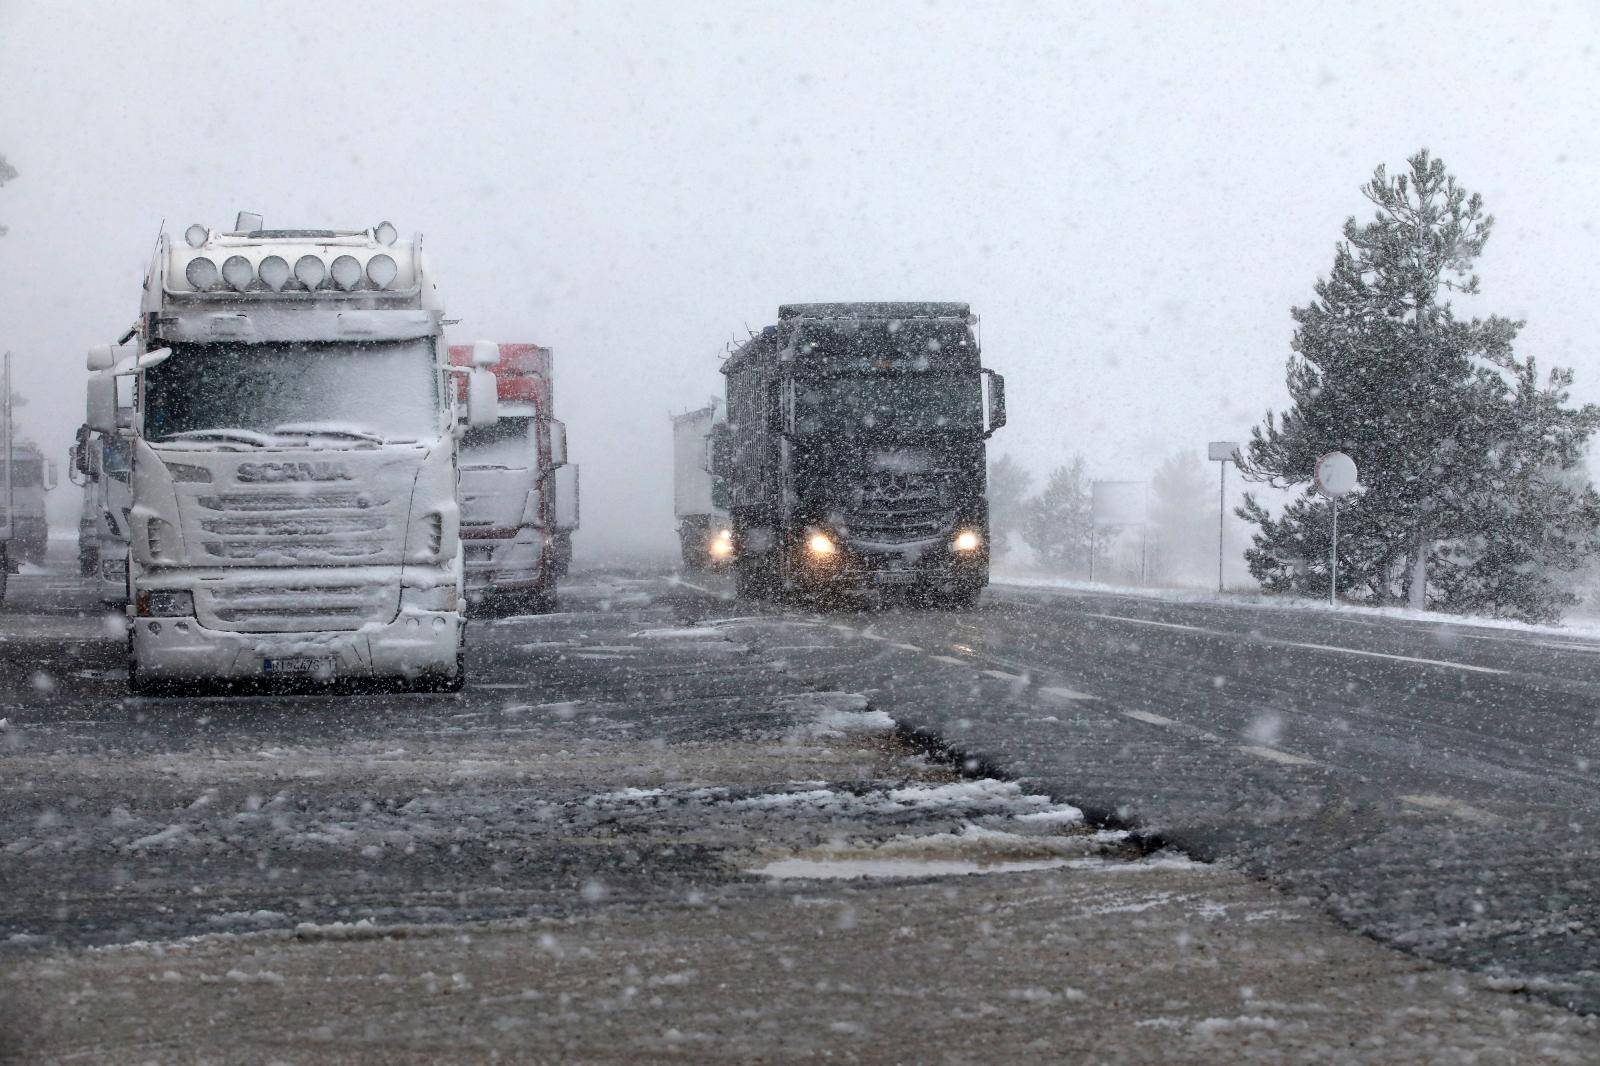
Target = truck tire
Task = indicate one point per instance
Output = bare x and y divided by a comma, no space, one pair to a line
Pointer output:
444,683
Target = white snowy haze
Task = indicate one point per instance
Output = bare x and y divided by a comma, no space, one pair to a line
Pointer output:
1132,196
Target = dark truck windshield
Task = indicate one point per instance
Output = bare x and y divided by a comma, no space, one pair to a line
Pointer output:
286,393
889,405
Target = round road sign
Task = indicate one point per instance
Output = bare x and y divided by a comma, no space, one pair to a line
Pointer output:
1336,475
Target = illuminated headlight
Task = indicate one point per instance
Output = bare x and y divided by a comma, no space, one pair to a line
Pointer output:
170,603
967,541
820,544
722,544
309,271
202,273
346,272
381,270
275,272
238,273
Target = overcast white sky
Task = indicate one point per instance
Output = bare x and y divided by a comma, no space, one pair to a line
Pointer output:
1132,196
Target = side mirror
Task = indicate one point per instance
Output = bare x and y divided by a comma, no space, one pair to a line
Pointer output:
51,476
996,412
558,442
564,480
102,357
100,407
483,398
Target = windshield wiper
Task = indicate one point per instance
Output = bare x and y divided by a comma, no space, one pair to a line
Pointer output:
229,436
325,429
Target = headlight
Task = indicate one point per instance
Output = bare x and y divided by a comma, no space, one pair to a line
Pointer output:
238,273
157,603
722,544
309,271
967,541
202,273
820,544
381,269
346,272
275,272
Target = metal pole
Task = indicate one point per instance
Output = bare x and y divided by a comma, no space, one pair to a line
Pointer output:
1222,510
1333,562
10,512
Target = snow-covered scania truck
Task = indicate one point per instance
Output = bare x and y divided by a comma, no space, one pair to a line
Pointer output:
519,495
292,426
705,536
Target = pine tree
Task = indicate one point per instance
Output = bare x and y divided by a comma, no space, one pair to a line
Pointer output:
1467,461
1008,493
1057,523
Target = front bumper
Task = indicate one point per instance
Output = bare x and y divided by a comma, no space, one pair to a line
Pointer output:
874,566
502,564
417,643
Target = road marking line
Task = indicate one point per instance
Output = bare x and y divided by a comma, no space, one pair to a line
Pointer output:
952,660
1446,805
1311,647
904,647
1148,622
1058,693
1001,675
1386,655
1277,756
692,585
874,636
1146,716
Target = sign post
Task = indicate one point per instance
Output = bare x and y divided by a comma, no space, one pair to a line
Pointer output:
1335,477
1222,452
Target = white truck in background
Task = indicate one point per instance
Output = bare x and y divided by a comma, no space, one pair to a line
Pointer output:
101,463
519,495
704,533
292,424
25,477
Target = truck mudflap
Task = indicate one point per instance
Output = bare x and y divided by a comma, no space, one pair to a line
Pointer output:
417,643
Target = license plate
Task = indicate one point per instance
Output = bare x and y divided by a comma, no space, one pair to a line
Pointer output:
891,577
297,666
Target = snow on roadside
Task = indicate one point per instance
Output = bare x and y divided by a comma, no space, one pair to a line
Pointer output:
1587,627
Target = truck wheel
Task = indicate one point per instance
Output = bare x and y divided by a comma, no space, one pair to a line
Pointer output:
444,683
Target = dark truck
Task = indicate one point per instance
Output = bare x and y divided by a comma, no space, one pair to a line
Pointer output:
852,458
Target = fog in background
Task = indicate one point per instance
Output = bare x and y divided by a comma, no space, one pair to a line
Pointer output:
1131,196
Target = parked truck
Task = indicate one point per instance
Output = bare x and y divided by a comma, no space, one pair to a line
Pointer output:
291,422
519,495
704,533
101,465
853,455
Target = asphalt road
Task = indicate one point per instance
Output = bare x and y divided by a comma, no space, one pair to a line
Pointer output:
662,824
1432,784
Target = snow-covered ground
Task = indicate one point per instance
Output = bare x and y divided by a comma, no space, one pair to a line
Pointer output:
1577,625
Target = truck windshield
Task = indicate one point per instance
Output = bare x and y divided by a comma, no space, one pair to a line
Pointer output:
509,444
286,394
889,405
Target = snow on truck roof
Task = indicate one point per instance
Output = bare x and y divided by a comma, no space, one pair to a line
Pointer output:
893,309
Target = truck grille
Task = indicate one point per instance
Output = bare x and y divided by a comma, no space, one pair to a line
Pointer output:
894,508
300,607
343,525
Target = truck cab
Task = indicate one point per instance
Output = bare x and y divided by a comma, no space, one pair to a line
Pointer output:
853,458
519,494
291,425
